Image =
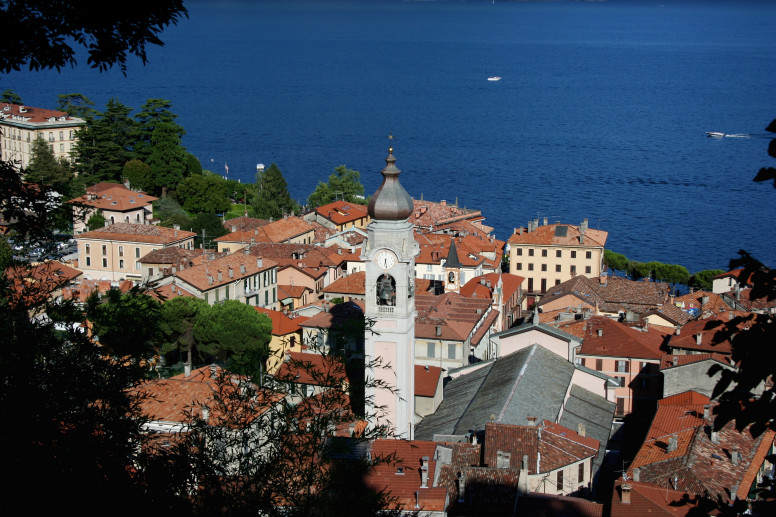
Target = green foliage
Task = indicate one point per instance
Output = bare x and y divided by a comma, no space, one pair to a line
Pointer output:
46,169
6,253
153,114
96,221
10,97
237,332
62,30
704,279
76,105
167,159
193,166
213,227
344,184
272,199
166,209
204,193
126,324
615,261
105,143
177,323
138,173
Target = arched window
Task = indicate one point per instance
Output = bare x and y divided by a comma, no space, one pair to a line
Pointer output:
386,290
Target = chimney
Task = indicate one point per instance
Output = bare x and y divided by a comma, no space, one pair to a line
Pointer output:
581,431
706,411
259,262
187,370
545,221
714,436
673,441
524,464
438,330
636,474
220,276
231,272
461,487
205,413
503,459
600,332
735,456
625,494
242,269
675,360
424,472
531,420
698,338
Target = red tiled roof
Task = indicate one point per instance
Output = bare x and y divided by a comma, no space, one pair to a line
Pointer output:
428,213
611,294
282,324
353,284
169,291
36,115
426,380
341,212
650,500
244,223
549,505
292,291
452,315
205,276
555,235
33,284
278,231
618,340
401,479
117,197
312,369
81,291
484,286
672,361
137,233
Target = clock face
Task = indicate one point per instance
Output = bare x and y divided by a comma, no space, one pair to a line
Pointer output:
385,259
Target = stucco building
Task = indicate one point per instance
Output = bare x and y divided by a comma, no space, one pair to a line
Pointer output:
21,125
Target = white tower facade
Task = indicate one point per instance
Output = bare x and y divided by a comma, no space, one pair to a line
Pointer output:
390,305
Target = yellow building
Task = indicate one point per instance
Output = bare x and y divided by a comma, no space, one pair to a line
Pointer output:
550,254
21,125
114,252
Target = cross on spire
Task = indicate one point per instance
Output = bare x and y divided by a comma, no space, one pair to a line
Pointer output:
390,142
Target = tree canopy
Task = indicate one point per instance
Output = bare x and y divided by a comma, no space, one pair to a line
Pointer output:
344,184
61,29
272,199
204,193
46,169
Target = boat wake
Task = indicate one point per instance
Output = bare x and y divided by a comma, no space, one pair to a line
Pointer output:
742,135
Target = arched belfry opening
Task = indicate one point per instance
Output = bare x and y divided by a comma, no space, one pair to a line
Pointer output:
386,290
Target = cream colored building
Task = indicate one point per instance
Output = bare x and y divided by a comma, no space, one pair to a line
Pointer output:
114,252
21,125
550,254
117,203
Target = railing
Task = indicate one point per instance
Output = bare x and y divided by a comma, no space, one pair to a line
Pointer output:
387,309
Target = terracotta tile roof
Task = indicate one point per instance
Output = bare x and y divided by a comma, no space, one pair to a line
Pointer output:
223,270
137,233
353,284
170,255
706,336
342,212
428,213
485,325
549,446
450,314
282,324
698,303
548,505
169,291
37,116
311,369
618,340
749,301
401,479
672,313
740,275
169,400
650,500
484,286
426,380
244,223
278,231
339,316
116,197
672,361
612,294
437,251
302,255
682,451
559,235
488,491
34,284
292,291
81,291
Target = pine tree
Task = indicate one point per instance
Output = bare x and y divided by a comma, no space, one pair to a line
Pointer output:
105,143
272,199
167,159
154,113
46,169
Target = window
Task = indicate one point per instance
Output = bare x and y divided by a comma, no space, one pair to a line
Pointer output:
519,252
588,254
519,266
88,261
61,135
104,249
137,252
557,281
430,349
121,251
530,266
559,480
557,268
530,285
588,270
104,262
226,292
620,410
573,270
51,137
530,252
121,264
573,254
622,366
137,266
88,248
581,473
544,285
429,267
544,267
451,347
620,381
544,253
599,365
558,253
61,148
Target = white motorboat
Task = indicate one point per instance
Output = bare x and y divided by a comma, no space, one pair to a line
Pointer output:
494,78
715,134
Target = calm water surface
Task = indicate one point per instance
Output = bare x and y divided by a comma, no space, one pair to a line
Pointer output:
601,111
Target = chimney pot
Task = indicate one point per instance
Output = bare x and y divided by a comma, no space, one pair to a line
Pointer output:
625,494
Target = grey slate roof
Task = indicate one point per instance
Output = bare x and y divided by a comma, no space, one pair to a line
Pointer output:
592,410
530,382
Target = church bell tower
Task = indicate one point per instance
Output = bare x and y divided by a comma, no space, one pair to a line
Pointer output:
390,304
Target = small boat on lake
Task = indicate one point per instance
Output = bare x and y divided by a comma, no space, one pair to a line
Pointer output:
715,134
494,78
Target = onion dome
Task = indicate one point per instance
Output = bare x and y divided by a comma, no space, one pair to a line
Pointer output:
391,202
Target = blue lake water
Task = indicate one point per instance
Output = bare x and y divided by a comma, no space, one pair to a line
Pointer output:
601,111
